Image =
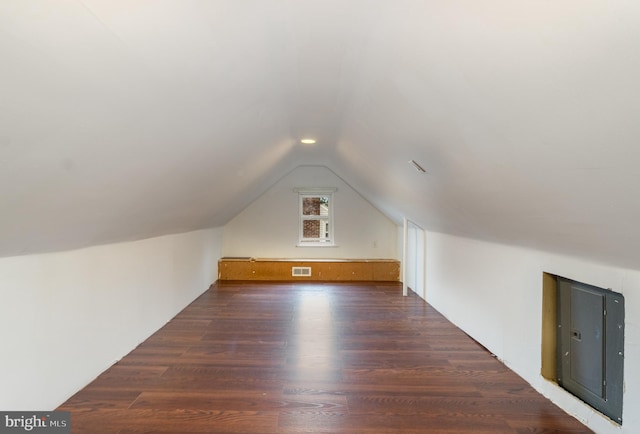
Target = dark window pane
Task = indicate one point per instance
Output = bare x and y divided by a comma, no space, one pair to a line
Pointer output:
311,206
311,229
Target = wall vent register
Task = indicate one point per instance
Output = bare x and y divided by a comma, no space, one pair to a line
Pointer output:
301,271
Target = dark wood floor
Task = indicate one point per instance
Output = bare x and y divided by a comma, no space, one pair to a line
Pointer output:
318,358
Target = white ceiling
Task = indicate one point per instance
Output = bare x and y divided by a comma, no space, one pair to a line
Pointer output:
126,119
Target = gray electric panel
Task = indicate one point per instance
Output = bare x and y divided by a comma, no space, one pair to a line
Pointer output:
591,345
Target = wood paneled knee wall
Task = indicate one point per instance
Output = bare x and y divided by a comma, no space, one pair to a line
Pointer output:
383,270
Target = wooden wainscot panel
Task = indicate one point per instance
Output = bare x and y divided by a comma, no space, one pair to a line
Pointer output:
235,269
321,269
386,271
362,271
269,270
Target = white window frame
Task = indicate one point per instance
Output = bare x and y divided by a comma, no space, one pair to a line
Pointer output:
315,192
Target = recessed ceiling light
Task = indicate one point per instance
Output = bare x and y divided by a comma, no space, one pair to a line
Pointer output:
418,167
308,141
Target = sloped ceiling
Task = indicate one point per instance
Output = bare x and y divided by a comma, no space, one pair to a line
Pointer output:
127,119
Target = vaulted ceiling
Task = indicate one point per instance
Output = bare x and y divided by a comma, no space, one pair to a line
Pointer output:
127,119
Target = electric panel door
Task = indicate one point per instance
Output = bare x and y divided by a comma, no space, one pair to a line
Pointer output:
591,345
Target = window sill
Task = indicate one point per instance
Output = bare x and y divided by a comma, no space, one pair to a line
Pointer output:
316,245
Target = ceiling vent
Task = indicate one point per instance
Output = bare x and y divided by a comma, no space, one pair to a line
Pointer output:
418,167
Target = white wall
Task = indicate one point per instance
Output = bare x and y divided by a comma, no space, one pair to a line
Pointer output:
66,317
268,228
494,293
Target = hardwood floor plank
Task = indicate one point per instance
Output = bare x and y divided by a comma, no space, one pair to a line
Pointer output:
129,378
97,398
333,422
453,406
345,388
276,358
234,401
162,421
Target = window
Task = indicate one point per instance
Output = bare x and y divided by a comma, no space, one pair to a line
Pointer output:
315,218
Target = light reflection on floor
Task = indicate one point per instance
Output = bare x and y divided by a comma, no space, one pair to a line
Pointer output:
312,345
